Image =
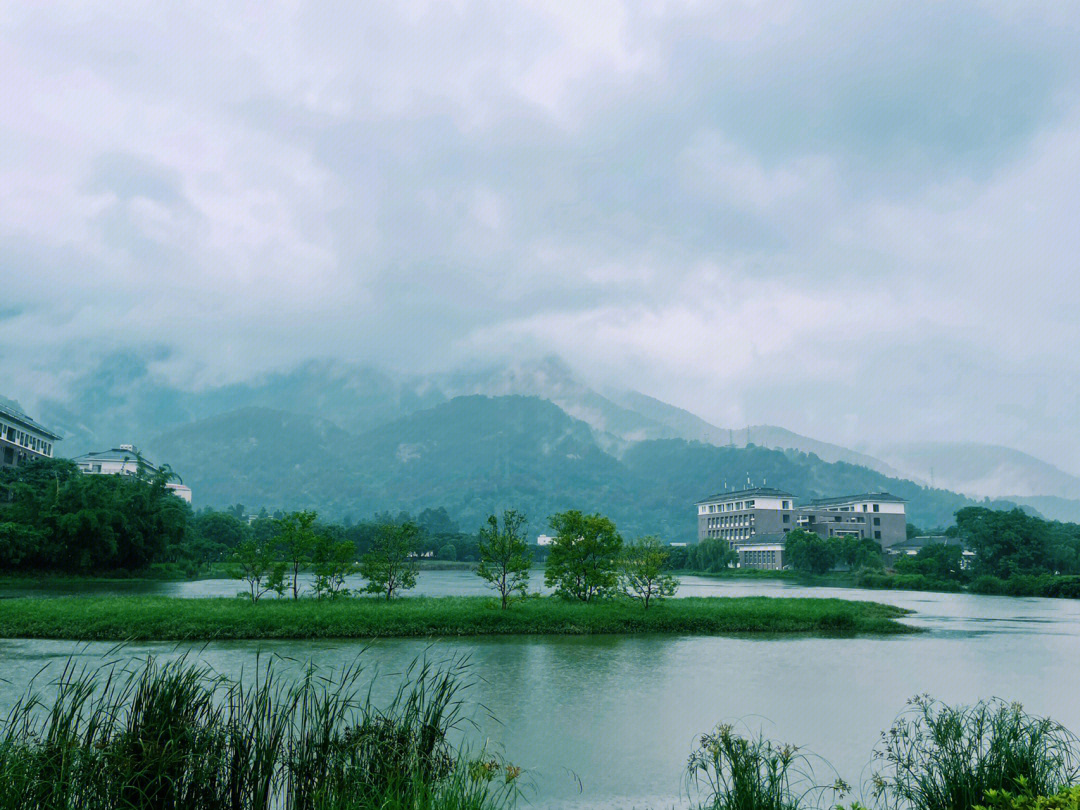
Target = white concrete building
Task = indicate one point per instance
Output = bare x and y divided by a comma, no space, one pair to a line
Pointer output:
126,460
22,439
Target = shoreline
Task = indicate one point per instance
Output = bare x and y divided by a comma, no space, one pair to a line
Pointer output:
162,618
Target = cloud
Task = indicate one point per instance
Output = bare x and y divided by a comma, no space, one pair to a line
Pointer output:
857,221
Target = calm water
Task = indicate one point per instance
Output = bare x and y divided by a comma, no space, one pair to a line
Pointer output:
609,722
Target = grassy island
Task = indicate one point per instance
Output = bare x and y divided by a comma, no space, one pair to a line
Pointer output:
138,618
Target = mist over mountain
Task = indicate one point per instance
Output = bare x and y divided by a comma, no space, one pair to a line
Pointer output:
353,439
476,454
982,470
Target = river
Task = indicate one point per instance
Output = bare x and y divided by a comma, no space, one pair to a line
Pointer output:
608,722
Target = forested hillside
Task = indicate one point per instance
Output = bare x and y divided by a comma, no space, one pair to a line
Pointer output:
476,454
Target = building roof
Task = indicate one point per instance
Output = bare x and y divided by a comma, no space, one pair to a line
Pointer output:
25,420
916,543
748,493
883,497
115,454
775,538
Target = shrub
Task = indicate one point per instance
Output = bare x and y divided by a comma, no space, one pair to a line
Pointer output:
743,773
937,757
1003,800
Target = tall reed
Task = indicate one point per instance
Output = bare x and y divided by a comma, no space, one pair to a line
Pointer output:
175,735
939,757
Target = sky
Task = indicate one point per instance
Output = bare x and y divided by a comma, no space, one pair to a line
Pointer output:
855,220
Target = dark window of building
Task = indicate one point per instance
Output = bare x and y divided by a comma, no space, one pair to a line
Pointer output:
9,455
877,521
876,508
787,518
877,535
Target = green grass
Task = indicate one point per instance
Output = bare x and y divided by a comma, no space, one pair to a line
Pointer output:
120,618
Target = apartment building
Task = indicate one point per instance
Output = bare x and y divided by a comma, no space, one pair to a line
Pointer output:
126,460
754,521
22,439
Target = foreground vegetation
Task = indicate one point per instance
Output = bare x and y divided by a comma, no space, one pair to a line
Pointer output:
176,737
145,618
164,736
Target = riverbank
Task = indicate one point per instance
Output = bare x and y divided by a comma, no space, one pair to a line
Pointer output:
139,618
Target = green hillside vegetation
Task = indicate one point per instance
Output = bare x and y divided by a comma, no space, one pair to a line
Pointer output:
475,455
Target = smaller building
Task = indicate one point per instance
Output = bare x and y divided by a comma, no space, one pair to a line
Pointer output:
126,460
765,551
22,439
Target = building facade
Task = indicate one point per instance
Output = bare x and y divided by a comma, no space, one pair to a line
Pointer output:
755,520
126,460
22,439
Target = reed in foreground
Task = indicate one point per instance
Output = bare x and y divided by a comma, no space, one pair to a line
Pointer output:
121,618
174,736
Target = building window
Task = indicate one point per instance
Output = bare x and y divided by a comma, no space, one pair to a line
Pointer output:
876,509
877,535
785,504
877,521
787,518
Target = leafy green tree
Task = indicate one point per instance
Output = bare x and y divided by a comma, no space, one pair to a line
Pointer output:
254,563
808,552
332,561
1005,543
712,554
296,539
856,552
505,557
583,560
937,561
643,572
390,565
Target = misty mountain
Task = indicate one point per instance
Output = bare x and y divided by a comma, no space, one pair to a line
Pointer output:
982,470
125,399
476,454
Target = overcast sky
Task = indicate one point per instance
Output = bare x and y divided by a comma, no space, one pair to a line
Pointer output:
857,220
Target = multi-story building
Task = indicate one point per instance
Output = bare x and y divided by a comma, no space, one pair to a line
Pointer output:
754,521
125,460
22,439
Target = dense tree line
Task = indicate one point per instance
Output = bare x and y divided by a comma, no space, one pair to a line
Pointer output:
54,518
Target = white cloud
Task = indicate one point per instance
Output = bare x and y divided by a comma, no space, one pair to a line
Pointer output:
732,206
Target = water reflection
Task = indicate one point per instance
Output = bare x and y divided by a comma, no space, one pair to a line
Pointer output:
622,713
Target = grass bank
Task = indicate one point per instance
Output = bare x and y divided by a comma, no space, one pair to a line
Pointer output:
120,618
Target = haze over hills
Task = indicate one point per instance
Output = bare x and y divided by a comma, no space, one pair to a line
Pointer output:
305,436
982,470
475,454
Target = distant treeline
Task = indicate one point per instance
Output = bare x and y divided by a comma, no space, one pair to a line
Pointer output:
53,518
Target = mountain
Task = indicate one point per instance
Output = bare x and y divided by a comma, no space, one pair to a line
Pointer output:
982,470
259,456
475,454
124,400
616,426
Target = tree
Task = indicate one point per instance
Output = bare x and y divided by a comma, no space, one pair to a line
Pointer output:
390,566
643,572
583,562
254,564
808,552
856,552
1005,543
332,561
712,554
505,558
296,539
937,561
